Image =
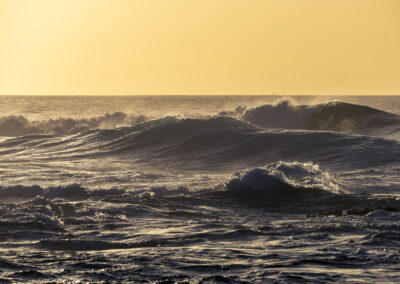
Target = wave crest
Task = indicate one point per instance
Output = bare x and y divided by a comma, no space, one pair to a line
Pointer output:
19,125
281,177
333,116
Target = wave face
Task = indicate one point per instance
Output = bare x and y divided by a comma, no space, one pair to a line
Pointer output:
209,142
333,116
221,139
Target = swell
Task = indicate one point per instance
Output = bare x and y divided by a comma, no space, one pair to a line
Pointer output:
332,116
211,140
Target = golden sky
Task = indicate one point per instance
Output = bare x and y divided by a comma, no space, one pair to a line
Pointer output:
121,47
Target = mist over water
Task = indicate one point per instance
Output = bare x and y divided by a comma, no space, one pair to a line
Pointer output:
231,189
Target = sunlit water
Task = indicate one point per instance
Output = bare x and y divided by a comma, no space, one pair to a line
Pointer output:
200,189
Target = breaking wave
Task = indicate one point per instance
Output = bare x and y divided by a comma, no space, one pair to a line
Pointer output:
300,187
19,125
333,116
209,140
291,187
276,177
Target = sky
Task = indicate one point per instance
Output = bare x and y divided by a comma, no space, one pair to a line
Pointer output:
194,47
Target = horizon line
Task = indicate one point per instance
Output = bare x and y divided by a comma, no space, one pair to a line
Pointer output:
183,95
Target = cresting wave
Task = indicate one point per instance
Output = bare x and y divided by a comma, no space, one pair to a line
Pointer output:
275,177
19,125
288,186
272,180
215,139
298,188
333,116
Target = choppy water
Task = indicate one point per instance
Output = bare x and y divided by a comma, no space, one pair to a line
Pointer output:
200,189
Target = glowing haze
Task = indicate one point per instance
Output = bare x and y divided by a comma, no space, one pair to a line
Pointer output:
121,47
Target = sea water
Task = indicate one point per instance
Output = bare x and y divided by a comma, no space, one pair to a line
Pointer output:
200,189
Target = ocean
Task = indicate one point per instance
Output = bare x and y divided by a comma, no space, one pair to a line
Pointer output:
200,189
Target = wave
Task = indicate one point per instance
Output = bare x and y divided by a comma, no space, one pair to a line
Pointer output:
292,187
13,125
282,177
224,139
301,187
332,116
282,184
208,141
279,179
